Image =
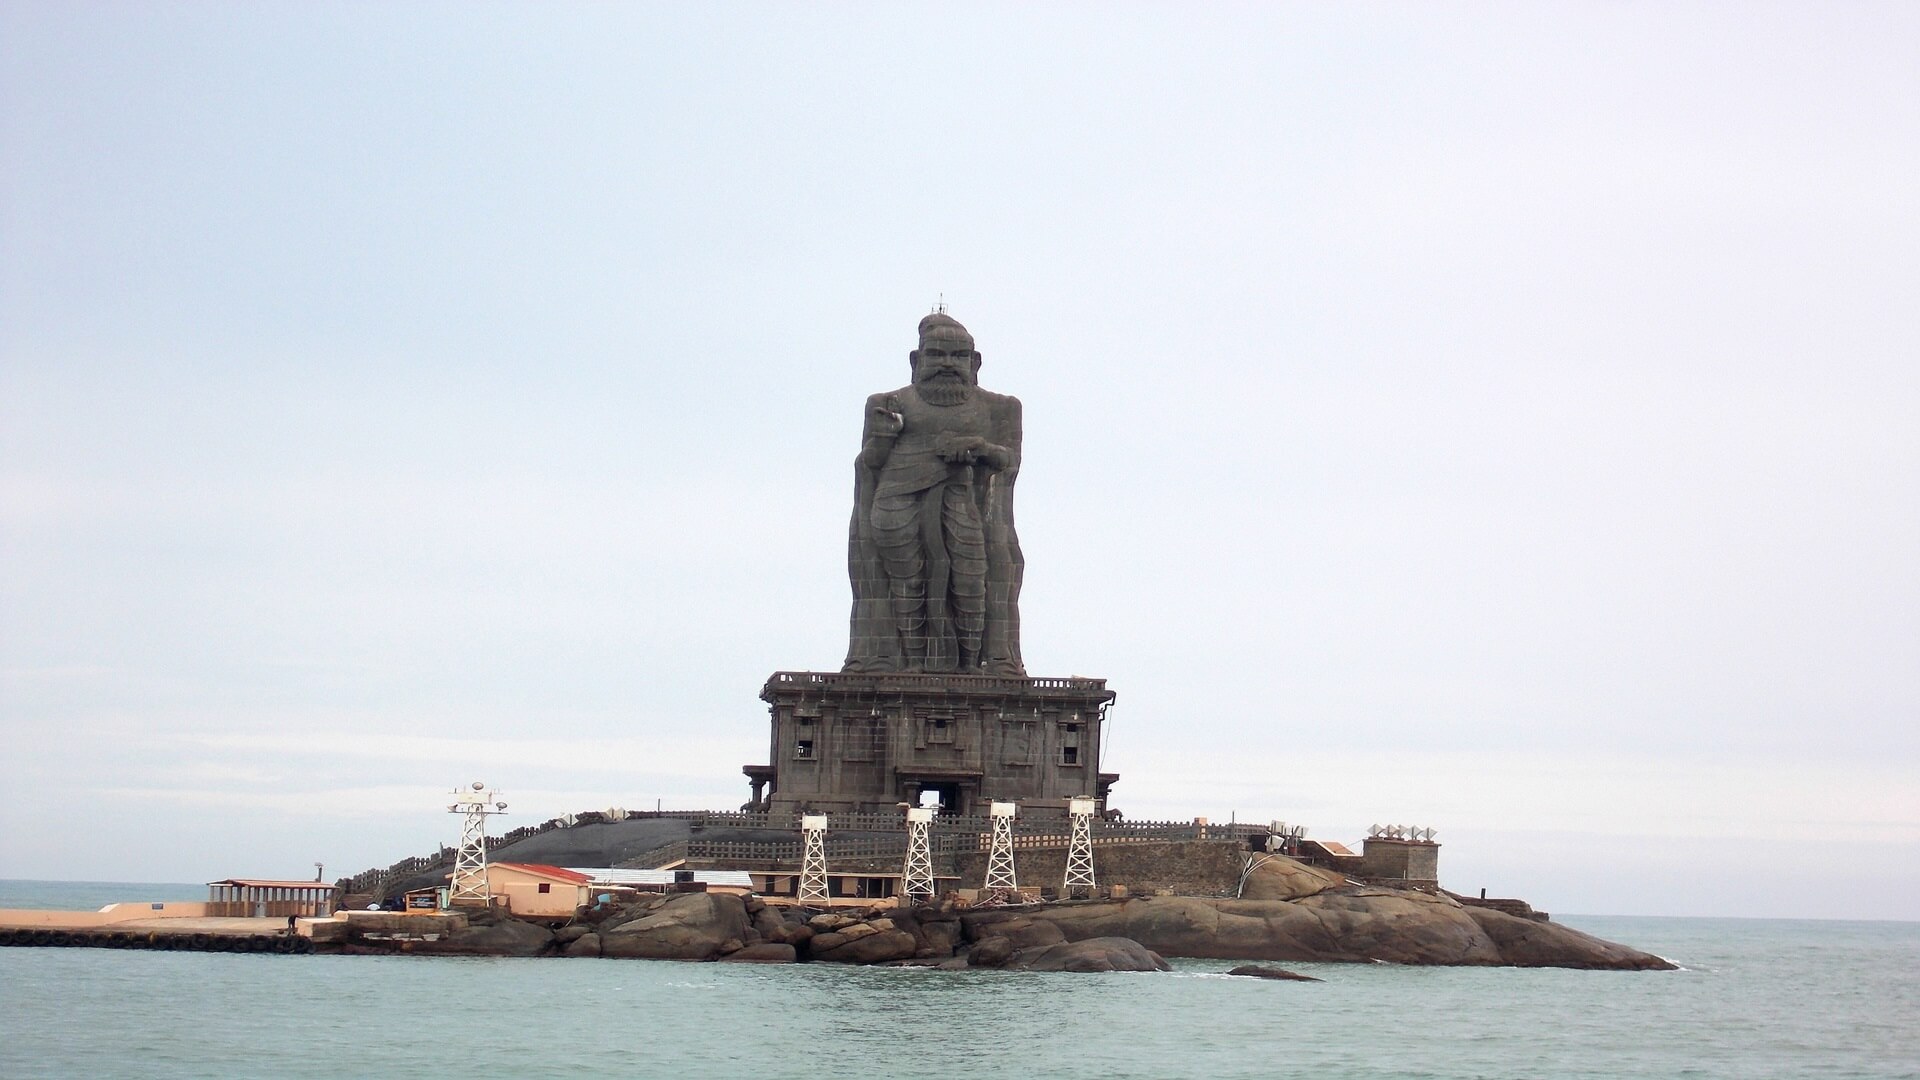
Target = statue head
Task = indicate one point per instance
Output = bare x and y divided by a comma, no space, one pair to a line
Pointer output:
945,366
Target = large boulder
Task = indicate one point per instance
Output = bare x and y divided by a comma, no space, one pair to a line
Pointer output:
689,926
1278,877
1344,923
795,934
1255,971
939,938
990,952
501,937
1396,926
875,948
584,945
1023,931
769,923
1533,943
1091,954
763,953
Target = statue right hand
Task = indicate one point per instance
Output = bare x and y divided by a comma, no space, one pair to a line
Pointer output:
886,420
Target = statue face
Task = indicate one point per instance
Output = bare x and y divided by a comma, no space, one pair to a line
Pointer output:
944,360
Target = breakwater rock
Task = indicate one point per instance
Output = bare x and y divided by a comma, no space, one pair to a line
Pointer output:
1255,971
1345,923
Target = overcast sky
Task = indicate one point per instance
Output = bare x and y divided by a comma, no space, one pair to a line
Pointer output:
1498,418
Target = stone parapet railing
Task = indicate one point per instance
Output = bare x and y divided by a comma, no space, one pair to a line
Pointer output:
890,683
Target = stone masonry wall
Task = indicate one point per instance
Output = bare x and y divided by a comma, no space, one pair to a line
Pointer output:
1186,867
1400,860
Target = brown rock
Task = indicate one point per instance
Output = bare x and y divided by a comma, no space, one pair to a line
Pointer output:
1399,927
505,937
1024,931
871,949
943,909
1091,954
1345,923
1278,877
826,942
1258,972
1341,925
768,922
991,952
764,953
1534,943
584,945
688,926
938,938
795,934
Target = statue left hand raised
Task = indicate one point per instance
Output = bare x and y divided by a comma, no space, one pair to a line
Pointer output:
886,420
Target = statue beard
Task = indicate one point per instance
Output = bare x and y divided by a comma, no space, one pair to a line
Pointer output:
943,389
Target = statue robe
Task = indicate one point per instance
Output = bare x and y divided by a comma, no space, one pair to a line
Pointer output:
961,514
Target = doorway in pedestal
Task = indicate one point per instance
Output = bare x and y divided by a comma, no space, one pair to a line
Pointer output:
950,797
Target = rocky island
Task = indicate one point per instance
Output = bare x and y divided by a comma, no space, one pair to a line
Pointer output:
933,712
1303,915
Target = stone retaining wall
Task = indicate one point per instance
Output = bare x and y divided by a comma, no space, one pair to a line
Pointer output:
1186,867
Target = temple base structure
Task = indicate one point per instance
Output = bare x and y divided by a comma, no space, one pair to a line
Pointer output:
845,743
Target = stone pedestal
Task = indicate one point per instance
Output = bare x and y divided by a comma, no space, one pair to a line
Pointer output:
845,743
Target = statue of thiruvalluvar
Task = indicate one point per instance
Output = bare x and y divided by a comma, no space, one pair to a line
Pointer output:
932,553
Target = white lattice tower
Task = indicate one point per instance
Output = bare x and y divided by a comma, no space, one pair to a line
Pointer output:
916,878
813,858
1079,879
1000,873
470,884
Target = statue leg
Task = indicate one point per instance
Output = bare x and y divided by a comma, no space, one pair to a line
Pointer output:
943,652
871,643
896,533
966,543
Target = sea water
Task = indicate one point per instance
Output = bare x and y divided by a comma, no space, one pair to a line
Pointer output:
1753,998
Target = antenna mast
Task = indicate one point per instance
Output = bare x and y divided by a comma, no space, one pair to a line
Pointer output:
1000,874
1079,879
916,877
813,859
470,865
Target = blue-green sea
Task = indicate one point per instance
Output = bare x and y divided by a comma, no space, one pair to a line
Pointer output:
1754,998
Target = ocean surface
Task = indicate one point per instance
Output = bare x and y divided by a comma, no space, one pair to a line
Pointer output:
1755,998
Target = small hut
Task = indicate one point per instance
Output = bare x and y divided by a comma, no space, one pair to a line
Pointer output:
260,898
